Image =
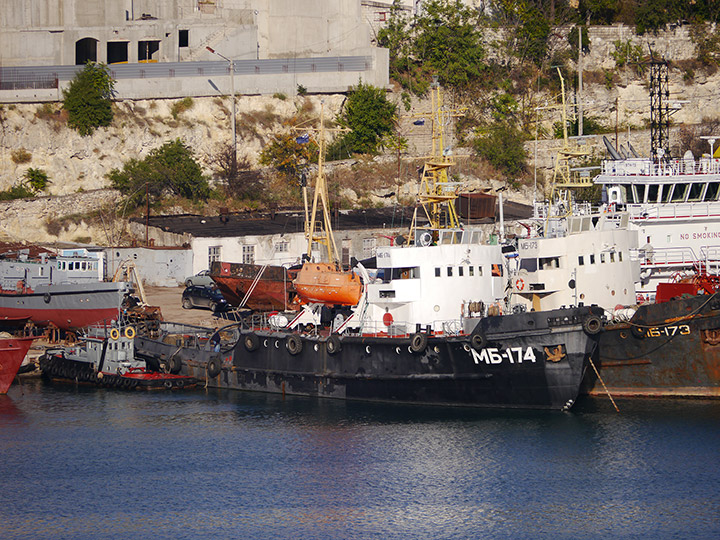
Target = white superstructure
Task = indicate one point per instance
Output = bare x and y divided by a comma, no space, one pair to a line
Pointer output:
434,285
674,206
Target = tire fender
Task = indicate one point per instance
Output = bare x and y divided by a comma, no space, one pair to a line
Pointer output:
478,341
333,345
418,342
251,341
214,366
592,325
294,344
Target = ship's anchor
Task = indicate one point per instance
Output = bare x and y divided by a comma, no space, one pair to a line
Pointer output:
556,355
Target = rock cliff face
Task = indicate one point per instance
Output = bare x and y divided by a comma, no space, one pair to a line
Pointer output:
77,166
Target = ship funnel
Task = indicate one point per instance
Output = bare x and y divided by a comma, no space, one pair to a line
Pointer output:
610,148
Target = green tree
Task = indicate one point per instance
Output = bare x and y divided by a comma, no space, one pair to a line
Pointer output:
448,40
599,11
370,117
168,170
288,155
502,146
88,99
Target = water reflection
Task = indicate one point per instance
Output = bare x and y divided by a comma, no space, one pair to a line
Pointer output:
91,463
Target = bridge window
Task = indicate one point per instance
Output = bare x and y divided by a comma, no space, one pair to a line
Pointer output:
549,262
712,191
653,191
678,193
529,264
640,193
581,260
437,272
85,51
117,52
696,191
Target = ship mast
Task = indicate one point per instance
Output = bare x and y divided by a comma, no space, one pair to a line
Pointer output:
565,178
316,229
437,193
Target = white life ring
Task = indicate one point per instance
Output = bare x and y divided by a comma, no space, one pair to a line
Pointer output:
519,284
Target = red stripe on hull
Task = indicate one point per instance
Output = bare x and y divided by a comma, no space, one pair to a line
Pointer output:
12,354
65,319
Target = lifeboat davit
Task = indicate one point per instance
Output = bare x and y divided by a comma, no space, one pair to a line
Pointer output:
327,284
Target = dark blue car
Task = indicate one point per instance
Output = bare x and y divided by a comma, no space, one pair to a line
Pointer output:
203,297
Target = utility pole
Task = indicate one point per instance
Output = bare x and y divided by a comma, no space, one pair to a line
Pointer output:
580,84
232,91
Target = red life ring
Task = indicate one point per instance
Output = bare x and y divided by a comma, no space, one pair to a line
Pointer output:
519,284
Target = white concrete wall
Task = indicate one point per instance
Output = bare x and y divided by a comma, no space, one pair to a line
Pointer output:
157,267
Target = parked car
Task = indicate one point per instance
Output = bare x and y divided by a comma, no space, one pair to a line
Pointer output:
204,297
202,279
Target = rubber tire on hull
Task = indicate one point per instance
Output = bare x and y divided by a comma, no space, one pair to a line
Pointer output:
418,342
294,344
174,365
592,325
333,345
478,341
251,342
214,366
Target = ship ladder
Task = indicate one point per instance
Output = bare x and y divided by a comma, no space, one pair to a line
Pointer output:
252,286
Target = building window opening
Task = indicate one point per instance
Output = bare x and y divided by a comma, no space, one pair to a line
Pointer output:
248,254
183,38
148,51
85,51
117,52
213,254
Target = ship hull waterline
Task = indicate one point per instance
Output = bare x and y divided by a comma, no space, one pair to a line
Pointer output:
68,307
12,354
671,349
510,367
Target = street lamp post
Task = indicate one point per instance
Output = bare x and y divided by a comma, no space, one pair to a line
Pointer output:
232,91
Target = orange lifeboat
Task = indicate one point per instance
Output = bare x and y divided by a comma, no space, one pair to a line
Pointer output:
327,284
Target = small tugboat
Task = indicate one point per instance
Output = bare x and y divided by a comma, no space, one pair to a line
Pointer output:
106,357
428,329
12,353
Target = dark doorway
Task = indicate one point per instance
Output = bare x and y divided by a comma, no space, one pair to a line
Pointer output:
148,51
183,38
117,52
85,51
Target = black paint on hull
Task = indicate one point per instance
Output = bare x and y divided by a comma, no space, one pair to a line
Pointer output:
528,360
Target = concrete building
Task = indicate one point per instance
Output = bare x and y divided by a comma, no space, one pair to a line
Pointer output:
272,238
52,33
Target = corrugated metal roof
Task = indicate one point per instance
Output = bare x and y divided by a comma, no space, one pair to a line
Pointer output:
244,224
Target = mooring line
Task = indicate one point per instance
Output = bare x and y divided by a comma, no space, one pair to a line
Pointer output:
603,383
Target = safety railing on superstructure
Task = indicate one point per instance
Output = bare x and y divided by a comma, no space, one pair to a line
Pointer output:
671,211
673,167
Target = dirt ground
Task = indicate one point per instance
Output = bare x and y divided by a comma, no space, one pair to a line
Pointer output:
170,301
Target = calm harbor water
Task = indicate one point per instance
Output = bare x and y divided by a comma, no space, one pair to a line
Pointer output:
91,463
